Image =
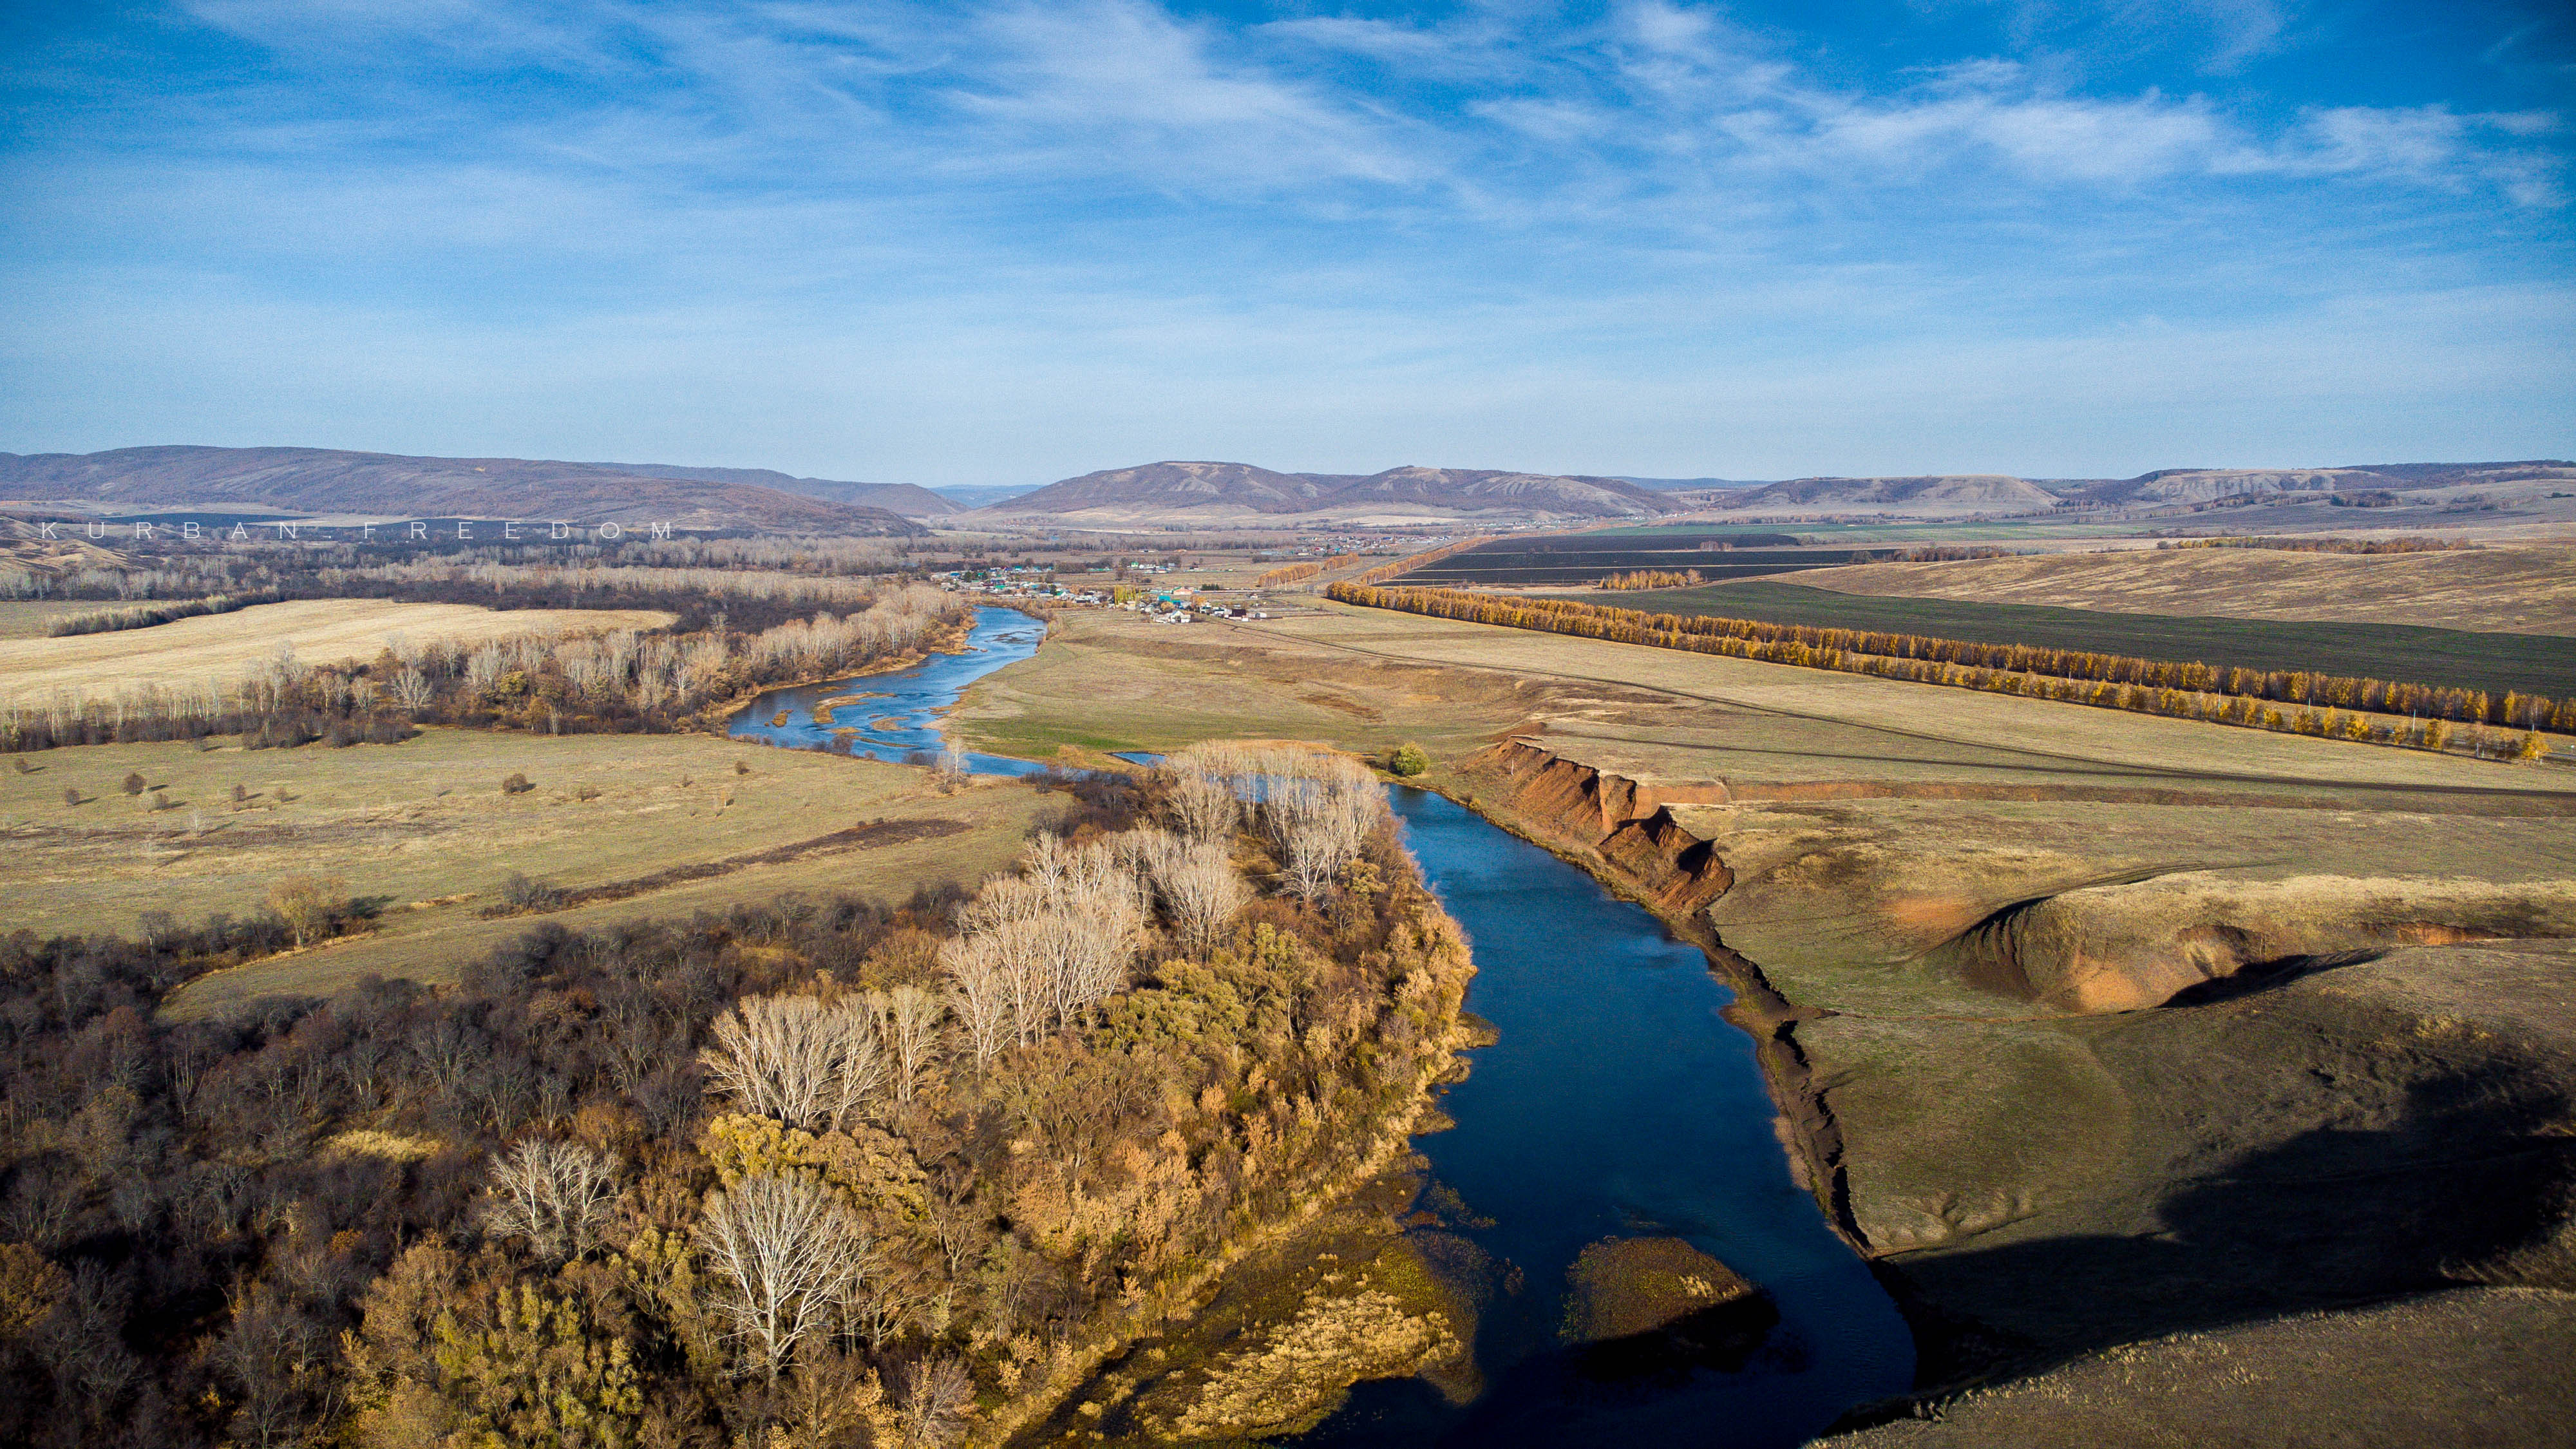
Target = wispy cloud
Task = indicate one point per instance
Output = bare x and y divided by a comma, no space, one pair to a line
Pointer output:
1066,202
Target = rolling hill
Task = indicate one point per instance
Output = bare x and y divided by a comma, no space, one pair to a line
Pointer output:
2203,485
909,499
1939,493
329,481
1218,492
1959,494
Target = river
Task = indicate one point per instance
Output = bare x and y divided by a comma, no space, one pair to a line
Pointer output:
899,715
1616,1102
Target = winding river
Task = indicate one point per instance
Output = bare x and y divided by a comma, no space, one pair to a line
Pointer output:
1616,1103
896,715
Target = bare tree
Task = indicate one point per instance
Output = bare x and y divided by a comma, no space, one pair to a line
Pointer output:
1057,939
557,1195
931,1396
1202,890
788,1258
795,1059
908,1018
979,991
950,773
1319,809
411,688
1200,790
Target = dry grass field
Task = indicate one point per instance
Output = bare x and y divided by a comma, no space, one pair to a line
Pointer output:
25,618
2505,590
1367,679
424,830
219,648
2358,1115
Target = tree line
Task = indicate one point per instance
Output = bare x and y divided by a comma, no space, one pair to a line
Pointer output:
1287,574
620,680
1384,572
145,616
1652,579
2412,544
2191,690
814,1173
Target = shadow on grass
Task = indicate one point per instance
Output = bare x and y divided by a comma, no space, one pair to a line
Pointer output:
2475,1173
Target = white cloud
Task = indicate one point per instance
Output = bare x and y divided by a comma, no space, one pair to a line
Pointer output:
858,239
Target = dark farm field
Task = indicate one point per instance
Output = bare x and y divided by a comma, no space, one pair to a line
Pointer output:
1586,558
2532,663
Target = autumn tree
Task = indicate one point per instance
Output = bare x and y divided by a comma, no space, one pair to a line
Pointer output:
306,902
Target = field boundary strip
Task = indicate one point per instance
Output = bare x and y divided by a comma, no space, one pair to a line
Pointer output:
2176,689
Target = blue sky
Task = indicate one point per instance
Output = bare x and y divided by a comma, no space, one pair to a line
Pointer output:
1005,243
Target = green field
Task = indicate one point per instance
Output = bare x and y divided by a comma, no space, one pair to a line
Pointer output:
2006,531
2531,663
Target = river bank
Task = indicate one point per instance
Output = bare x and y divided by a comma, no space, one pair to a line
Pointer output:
2352,1106
1609,1109
2040,1187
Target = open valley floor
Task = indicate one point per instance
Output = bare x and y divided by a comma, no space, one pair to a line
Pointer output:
2107,1038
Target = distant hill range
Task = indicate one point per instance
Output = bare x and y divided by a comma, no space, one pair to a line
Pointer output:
2204,485
983,495
322,482
1946,493
909,499
1222,492
1960,494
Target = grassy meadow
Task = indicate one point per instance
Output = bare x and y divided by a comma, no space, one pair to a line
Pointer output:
220,648
26,618
423,831
1897,814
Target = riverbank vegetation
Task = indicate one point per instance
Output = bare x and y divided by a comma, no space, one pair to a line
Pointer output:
2327,705
144,616
620,679
2421,544
794,1174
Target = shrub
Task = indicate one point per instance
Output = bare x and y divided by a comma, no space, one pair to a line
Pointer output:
519,893
307,902
1407,761
516,784
133,784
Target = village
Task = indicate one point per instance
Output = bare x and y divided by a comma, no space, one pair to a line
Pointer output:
1167,604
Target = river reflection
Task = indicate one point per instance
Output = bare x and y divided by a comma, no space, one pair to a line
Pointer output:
1617,1103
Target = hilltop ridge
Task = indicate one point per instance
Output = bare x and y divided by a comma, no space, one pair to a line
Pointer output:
329,481
1216,491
